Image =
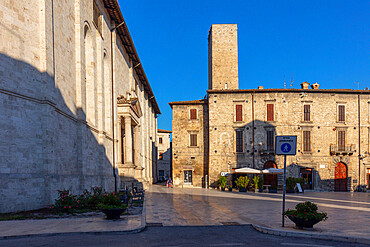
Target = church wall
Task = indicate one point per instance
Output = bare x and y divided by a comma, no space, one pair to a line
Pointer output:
56,134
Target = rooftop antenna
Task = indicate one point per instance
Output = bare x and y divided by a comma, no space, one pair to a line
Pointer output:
291,80
284,83
358,85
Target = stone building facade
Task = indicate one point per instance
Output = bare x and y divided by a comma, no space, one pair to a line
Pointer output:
76,109
239,128
164,163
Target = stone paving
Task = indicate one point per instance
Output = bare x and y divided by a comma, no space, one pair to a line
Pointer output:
349,213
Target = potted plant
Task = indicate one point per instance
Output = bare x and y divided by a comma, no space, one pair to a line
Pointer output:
257,183
272,189
222,182
242,183
230,187
112,206
305,215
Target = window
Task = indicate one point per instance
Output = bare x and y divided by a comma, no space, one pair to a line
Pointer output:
160,140
307,112
270,140
239,141
306,141
160,156
341,113
193,140
239,113
270,112
193,113
341,140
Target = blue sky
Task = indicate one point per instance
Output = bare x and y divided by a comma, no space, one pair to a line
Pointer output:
318,41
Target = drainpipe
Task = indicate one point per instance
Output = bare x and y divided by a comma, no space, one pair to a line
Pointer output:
359,140
253,128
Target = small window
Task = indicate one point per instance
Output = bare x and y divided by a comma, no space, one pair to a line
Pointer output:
193,140
239,141
160,140
341,113
270,140
239,113
193,113
307,113
306,141
270,112
160,156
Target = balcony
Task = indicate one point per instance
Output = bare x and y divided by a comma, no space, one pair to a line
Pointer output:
342,149
267,151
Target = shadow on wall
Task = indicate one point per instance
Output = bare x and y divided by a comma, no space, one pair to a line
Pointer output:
44,144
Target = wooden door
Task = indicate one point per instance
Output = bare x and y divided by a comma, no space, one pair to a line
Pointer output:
340,181
270,179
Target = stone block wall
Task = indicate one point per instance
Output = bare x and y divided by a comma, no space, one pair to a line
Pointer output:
56,102
223,56
186,157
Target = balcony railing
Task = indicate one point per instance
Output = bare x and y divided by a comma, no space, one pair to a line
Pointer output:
342,149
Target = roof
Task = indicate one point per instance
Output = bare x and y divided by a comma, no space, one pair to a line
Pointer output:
164,131
115,14
191,102
292,90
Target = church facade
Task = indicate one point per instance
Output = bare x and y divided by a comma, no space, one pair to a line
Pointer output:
76,108
234,128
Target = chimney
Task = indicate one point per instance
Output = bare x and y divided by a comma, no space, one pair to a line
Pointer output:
260,87
315,85
304,85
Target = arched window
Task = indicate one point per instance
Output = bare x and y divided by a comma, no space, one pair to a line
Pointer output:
107,91
90,76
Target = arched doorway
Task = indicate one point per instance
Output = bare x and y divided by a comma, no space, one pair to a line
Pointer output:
270,179
340,181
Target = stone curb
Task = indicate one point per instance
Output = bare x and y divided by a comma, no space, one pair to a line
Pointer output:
284,233
135,230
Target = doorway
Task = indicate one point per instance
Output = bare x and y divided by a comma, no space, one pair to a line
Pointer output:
307,174
270,179
368,178
188,177
340,181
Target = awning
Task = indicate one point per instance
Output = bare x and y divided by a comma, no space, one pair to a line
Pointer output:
273,171
248,170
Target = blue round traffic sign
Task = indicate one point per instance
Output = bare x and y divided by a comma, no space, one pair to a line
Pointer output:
285,148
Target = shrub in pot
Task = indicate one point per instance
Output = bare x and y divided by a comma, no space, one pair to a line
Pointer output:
242,183
305,215
112,206
257,183
222,182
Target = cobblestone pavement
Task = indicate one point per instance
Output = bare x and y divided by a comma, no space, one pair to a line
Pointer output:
349,213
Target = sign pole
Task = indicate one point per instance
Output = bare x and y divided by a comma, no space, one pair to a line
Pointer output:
284,187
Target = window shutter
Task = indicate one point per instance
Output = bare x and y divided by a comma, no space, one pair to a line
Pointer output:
270,140
341,113
306,141
239,141
193,140
270,112
193,113
239,113
341,140
307,110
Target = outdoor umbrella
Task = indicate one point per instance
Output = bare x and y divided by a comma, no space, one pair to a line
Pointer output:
248,170
273,171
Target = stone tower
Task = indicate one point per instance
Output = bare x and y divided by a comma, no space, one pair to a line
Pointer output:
223,57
